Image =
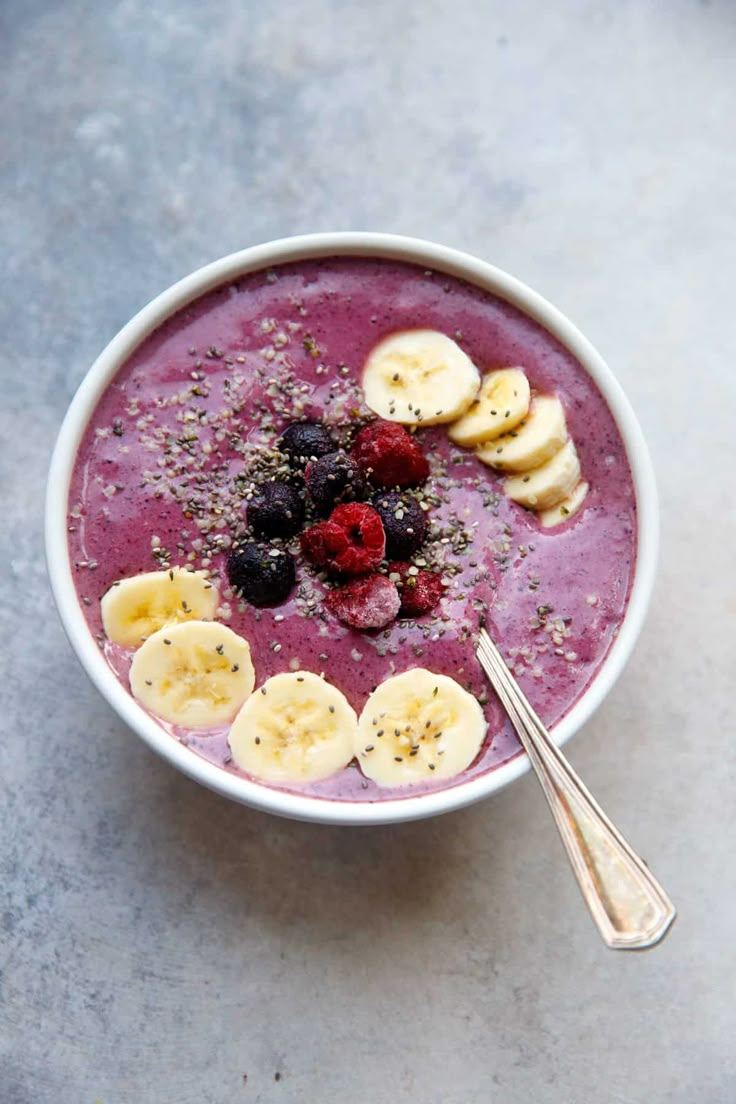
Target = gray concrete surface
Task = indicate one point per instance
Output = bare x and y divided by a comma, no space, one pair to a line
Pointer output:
161,946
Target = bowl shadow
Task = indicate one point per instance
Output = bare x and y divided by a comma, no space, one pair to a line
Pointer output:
338,878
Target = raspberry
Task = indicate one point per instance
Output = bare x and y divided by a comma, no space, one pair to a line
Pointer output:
276,510
334,478
262,575
404,521
390,456
305,441
370,603
420,590
323,542
351,541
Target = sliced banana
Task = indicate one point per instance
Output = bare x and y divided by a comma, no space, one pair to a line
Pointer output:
419,377
501,403
196,674
547,485
564,510
418,727
135,608
540,435
296,728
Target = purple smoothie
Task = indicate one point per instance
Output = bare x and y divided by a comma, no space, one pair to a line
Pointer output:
164,467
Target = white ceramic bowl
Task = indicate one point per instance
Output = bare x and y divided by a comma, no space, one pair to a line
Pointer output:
293,249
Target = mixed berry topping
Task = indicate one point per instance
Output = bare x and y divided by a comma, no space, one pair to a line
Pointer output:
355,538
334,478
351,541
389,456
276,510
404,522
370,603
419,590
261,574
319,476
304,442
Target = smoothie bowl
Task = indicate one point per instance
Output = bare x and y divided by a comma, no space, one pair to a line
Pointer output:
292,487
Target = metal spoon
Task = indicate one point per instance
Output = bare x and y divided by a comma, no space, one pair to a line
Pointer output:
627,903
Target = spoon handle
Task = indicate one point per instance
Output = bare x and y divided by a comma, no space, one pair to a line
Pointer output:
628,905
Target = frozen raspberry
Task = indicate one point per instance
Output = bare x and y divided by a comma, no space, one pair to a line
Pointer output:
323,543
390,456
276,510
404,521
264,576
351,541
420,590
305,441
370,603
334,478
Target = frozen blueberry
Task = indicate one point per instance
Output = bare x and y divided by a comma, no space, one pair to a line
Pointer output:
404,522
264,576
334,478
305,441
276,510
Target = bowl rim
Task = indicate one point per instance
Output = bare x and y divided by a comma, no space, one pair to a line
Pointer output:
313,246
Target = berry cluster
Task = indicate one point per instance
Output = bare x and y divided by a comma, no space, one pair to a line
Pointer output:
354,537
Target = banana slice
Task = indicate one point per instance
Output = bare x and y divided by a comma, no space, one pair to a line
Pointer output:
419,377
538,436
296,728
136,607
564,510
418,727
547,485
196,674
502,402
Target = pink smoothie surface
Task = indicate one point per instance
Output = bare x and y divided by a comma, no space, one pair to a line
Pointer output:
189,424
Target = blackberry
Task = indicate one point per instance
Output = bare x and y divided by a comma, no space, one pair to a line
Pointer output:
276,510
305,441
334,478
404,522
263,575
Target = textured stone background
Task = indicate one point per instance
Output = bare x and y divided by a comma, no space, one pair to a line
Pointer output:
158,943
